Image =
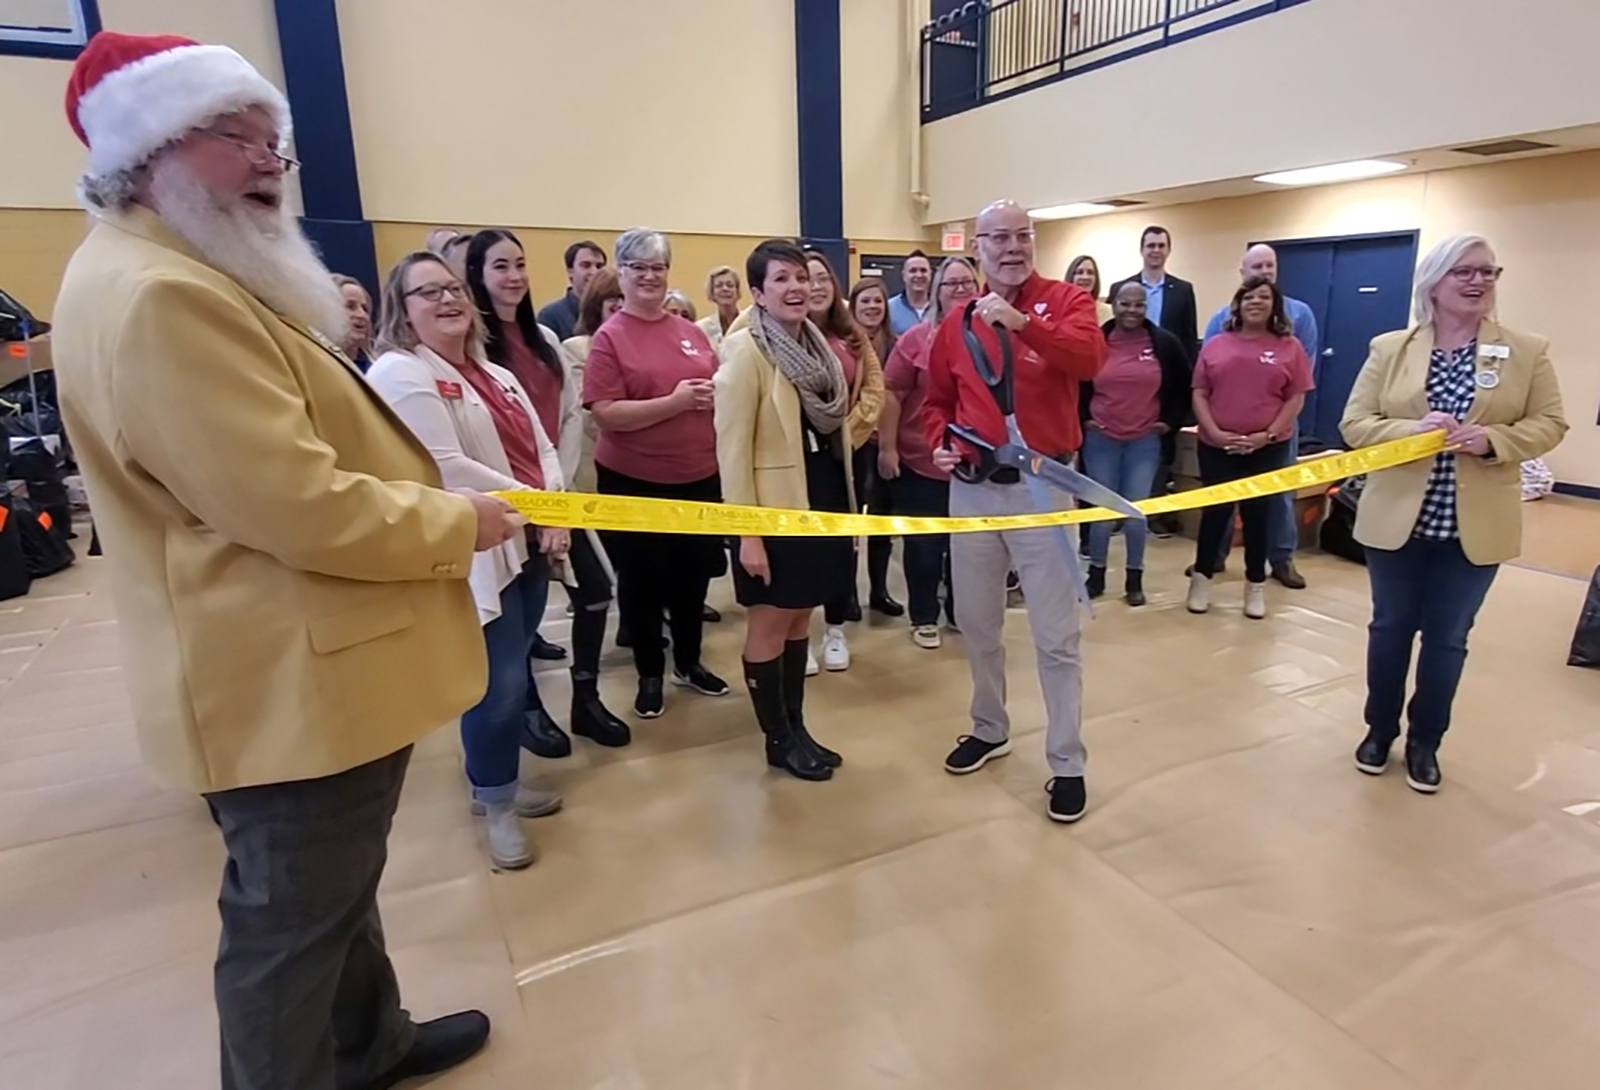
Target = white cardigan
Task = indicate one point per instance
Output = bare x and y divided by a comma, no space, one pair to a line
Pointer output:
461,436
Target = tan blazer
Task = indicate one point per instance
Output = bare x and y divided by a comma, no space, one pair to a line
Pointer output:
290,583
1522,416
760,442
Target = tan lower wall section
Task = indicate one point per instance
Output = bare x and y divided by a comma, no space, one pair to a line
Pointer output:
1542,215
35,244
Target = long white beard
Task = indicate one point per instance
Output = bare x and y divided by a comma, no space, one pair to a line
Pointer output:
262,248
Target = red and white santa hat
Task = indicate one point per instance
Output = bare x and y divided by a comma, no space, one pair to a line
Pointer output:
132,94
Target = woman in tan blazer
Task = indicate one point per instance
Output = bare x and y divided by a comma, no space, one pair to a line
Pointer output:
1436,531
785,435
863,374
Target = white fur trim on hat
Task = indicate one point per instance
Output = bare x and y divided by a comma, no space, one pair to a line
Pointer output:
141,107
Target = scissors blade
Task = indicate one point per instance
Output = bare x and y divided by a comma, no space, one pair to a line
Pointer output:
1067,479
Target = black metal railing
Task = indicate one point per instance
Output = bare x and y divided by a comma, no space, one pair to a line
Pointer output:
987,49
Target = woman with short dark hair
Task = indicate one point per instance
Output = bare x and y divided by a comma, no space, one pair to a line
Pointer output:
1249,385
785,439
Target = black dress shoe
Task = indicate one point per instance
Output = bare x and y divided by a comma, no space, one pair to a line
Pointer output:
546,651
852,611
884,604
787,752
1287,574
710,615
1422,768
543,737
591,719
1372,755
439,1045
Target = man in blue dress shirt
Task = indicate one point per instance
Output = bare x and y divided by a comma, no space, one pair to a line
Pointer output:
1262,260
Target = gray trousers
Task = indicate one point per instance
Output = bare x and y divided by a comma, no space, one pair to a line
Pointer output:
978,566
306,997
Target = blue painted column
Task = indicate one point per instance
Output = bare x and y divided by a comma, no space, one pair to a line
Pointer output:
817,75
313,68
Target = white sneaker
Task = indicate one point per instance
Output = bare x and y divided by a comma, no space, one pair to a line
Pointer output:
927,636
532,802
1199,593
508,848
1255,600
812,669
835,651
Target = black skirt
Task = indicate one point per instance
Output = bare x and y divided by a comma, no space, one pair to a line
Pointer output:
806,571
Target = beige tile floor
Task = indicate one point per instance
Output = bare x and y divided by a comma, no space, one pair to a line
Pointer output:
1240,910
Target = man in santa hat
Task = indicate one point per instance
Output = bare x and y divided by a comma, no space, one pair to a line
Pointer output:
290,579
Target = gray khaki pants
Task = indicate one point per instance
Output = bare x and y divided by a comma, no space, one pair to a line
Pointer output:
978,566
306,997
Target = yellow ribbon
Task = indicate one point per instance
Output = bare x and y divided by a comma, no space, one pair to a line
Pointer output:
577,510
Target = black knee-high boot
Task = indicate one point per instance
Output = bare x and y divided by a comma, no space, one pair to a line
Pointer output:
794,700
590,717
784,748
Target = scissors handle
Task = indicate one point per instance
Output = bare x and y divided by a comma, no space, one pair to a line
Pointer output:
1000,385
967,471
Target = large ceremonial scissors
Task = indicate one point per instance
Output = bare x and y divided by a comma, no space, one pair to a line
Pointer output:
1015,453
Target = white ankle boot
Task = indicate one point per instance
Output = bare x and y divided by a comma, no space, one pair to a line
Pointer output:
508,847
1199,593
1255,600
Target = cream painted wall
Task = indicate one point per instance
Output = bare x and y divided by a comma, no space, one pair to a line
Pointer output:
1543,216
44,174
878,89
1326,81
600,114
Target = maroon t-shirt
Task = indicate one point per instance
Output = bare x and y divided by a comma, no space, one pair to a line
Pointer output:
511,422
542,385
633,359
906,374
1127,391
1248,379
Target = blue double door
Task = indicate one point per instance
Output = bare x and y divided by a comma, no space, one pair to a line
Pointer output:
1358,287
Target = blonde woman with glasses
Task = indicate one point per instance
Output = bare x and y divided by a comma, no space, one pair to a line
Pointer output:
1436,531
484,433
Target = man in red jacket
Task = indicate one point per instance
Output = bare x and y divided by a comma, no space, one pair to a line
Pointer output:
1057,344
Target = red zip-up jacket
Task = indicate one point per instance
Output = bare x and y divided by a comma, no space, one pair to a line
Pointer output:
1060,347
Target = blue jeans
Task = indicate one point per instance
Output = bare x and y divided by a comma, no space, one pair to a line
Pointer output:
1127,467
491,731
1282,536
1431,588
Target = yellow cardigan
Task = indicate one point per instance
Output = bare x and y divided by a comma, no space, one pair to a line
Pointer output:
1522,415
760,446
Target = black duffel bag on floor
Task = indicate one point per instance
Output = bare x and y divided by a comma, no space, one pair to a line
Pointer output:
1586,640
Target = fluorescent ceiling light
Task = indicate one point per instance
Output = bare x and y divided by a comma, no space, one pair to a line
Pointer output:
1071,211
1333,172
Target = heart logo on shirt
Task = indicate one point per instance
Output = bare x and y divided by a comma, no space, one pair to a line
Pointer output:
1039,308
689,349
1269,357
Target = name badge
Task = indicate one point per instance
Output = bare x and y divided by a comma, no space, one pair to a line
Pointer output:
450,391
1494,352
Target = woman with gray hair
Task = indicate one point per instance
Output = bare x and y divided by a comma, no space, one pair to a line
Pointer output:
722,290
648,386
905,458
1436,531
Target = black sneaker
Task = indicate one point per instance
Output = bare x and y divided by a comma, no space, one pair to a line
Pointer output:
701,680
1068,799
1422,768
1372,755
652,698
972,754
439,1045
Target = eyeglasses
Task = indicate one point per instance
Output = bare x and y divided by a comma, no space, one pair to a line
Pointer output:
256,154
1006,238
433,293
960,285
1466,274
643,268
